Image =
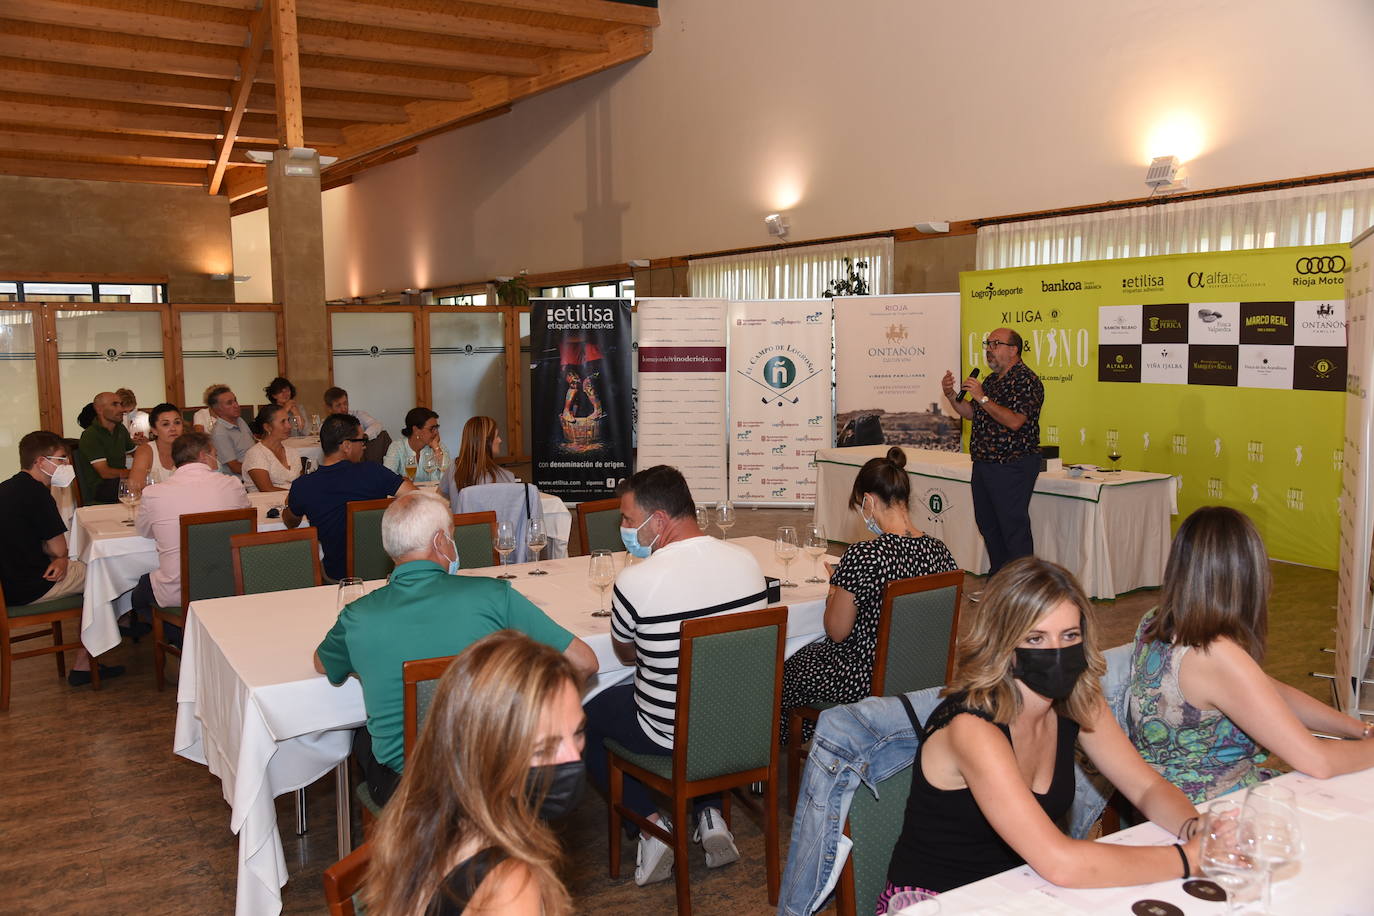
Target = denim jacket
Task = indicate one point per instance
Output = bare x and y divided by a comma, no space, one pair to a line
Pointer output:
867,742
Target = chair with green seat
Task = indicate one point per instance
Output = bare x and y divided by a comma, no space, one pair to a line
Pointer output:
275,561
874,826
725,736
49,615
598,525
419,681
366,559
207,571
344,879
475,535
918,626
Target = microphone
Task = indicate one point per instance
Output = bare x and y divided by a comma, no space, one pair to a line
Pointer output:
972,373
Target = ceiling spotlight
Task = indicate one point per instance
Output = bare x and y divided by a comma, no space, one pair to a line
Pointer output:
933,227
237,278
260,156
777,224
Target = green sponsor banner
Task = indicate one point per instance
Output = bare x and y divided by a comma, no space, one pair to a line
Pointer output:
1225,369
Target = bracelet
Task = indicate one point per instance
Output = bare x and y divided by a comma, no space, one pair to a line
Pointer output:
1368,730
1187,872
1184,828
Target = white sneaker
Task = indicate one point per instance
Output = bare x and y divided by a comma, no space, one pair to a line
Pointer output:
654,858
716,840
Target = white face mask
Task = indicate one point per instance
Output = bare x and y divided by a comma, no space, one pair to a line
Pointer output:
63,475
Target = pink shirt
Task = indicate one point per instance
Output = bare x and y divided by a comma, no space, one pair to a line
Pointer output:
191,488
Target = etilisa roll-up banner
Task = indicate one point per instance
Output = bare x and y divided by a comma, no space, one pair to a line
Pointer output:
682,391
581,398
780,405
890,355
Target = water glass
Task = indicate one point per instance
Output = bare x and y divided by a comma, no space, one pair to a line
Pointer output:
1270,832
129,498
314,424
725,517
505,546
1223,856
703,518
601,574
816,546
351,588
785,547
535,539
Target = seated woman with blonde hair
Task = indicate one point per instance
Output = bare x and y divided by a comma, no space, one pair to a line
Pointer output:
994,769
476,461
499,755
1201,718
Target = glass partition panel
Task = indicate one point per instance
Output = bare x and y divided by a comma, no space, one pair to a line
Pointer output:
19,389
374,361
468,373
238,349
102,351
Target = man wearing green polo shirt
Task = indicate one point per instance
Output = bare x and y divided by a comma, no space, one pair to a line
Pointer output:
423,612
106,446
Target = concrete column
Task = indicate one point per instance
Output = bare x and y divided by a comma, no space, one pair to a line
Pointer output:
296,228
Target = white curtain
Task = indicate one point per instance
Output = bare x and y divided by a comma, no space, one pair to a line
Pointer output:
1313,215
790,273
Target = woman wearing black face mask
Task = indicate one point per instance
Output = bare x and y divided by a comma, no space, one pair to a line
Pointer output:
500,753
995,767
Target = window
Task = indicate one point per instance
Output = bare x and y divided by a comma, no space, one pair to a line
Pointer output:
30,291
465,299
611,289
803,272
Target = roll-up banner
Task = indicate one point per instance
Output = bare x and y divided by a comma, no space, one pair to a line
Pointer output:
581,398
1354,604
1225,369
781,408
682,391
890,355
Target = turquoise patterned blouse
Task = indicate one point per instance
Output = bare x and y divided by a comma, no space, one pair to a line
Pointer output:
1199,750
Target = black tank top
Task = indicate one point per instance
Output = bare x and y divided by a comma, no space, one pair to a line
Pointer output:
461,883
946,842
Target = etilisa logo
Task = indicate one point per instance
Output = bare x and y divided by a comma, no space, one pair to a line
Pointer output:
1214,488
1254,451
1180,444
1294,499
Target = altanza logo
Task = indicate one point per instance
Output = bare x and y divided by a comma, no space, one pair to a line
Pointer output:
992,292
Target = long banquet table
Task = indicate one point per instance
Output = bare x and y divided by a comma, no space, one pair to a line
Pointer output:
1111,530
1337,823
251,706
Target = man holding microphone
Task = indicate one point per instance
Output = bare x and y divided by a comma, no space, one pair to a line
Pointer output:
1004,445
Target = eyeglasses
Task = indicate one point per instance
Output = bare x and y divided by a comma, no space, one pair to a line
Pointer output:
58,459
988,344
362,439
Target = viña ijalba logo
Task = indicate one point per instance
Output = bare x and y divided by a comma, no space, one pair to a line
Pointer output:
1294,499
1254,451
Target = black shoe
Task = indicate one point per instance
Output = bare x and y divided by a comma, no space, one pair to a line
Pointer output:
82,678
136,630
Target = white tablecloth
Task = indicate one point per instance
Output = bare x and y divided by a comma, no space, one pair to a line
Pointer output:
1337,825
557,521
116,557
1111,530
308,447
252,708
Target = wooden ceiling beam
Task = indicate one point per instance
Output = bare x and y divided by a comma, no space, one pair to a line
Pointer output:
185,126
264,131
407,87
122,21
458,26
91,171
599,10
187,152
392,53
25,47
286,72
248,61
113,90
264,102
243,182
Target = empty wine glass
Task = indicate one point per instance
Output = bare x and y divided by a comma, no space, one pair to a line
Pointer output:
1222,855
535,538
1270,832
601,574
434,461
785,547
816,546
314,424
725,517
351,588
129,498
703,518
505,546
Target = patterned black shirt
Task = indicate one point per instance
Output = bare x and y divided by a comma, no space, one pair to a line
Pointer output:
1018,389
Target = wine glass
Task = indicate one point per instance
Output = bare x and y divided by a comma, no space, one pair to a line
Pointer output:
785,547
1114,454
1270,832
351,588
816,546
725,517
1222,855
703,518
314,424
535,538
505,546
433,462
412,465
601,573
129,498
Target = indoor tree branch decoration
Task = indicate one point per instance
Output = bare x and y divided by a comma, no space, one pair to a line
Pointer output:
853,284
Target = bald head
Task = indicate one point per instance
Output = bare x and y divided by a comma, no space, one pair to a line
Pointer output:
109,408
1003,349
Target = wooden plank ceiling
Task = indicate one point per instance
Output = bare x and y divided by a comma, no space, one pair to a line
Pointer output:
176,91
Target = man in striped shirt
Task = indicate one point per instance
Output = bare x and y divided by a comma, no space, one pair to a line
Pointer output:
685,574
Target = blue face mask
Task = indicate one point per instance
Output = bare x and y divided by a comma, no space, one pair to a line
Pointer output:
630,538
871,524
454,564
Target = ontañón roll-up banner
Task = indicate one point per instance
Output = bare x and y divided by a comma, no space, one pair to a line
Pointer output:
1354,606
890,354
780,398
1224,369
581,398
682,385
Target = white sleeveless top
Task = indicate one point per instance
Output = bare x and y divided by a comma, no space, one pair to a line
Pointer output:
156,472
